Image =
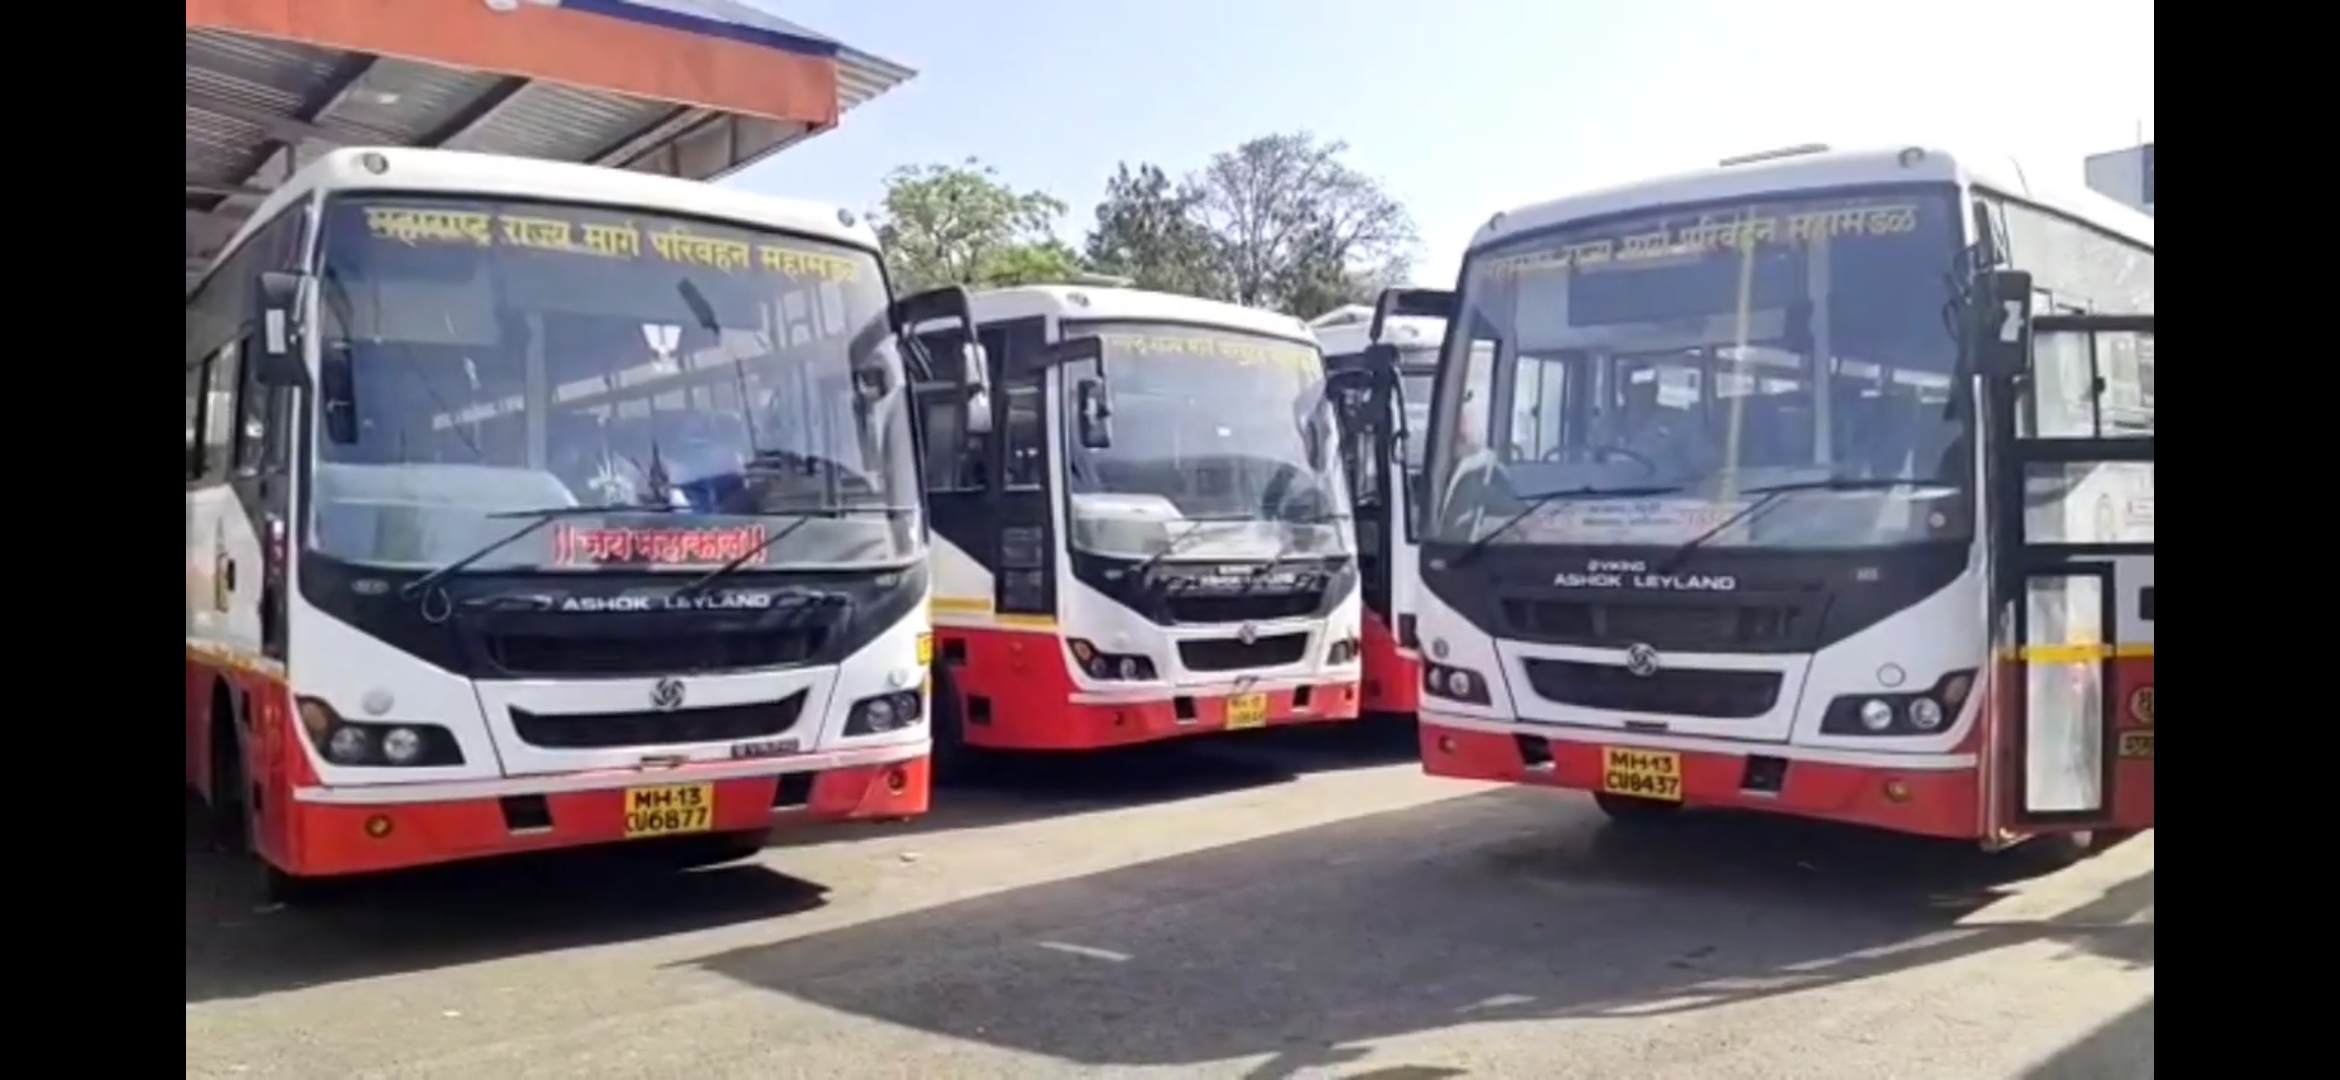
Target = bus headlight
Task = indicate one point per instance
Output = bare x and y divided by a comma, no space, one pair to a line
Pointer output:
402,746
885,712
348,746
354,743
1104,666
1926,712
1454,684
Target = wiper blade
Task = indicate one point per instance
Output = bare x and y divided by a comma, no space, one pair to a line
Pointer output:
1772,493
693,587
1284,546
1541,499
538,519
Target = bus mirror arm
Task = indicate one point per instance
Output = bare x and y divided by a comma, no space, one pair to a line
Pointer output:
276,359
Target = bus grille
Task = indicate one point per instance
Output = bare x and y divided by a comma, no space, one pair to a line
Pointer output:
1241,608
1228,654
682,650
1721,695
1704,627
601,731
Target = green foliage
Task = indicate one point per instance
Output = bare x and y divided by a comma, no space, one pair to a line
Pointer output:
961,224
1279,222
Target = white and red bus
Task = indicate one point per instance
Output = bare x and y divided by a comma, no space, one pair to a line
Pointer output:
1794,513
535,505
1147,535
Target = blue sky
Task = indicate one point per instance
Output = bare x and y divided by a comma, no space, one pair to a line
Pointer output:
1465,107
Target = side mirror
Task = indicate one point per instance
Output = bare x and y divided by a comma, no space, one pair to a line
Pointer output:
975,379
1095,419
337,396
276,359
2001,323
1425,303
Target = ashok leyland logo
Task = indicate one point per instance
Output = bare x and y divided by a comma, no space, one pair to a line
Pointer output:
667,694
1641,660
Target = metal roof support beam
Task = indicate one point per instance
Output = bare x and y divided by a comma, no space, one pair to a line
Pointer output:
229,191
478,112
283,129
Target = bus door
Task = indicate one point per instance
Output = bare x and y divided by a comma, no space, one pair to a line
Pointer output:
2069,741
1398,576
1362,398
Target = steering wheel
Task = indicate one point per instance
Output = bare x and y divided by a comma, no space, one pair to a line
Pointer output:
1597,453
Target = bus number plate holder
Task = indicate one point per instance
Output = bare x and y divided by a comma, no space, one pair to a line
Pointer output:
1245,711
669,810
1643,774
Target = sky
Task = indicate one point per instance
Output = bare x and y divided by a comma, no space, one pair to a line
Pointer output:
1462,108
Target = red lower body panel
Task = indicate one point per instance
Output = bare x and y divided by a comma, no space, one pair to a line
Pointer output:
1393,680
319,839
1929,802
1017,694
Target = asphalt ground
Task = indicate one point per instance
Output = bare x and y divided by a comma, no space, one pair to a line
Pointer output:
1284,904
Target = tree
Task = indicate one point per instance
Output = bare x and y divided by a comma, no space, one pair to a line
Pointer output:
961,224
1150,229
1297,229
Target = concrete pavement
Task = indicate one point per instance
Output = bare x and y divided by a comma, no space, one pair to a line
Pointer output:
1268,907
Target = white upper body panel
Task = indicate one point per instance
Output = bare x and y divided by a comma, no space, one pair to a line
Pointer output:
1083,302
1820,171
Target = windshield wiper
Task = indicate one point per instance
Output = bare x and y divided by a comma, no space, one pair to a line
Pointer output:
1772,493
1284,546
1194,527
693,587
1540,500
539,519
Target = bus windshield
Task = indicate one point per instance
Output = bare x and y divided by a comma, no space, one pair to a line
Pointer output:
1210,427
713,386
1693,361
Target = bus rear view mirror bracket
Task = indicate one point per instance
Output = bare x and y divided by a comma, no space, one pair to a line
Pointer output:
1074,351
276,355
2002,323
337,394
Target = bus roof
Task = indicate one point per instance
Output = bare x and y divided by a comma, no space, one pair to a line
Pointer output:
456,172
1403,331
1820,169
1135,305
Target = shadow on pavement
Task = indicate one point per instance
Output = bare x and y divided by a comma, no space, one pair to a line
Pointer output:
1307,946
451,915
471,912
1007,788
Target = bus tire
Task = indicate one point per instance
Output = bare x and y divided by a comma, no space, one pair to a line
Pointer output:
1632,810
951,758
230,826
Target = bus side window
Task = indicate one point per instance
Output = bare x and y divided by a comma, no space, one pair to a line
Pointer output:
198,385
219,407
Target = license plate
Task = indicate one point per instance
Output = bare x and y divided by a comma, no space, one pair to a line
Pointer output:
670,810
1246,711
1647,774
2136,744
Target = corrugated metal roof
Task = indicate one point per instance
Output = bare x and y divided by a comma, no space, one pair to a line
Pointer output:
258,108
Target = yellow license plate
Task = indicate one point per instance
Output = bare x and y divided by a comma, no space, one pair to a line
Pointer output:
671,810
1247,711
1647,774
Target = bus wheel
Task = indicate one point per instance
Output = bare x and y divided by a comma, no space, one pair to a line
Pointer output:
1630,809
2054,851
952,758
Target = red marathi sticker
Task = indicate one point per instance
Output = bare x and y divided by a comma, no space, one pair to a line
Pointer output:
574,546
